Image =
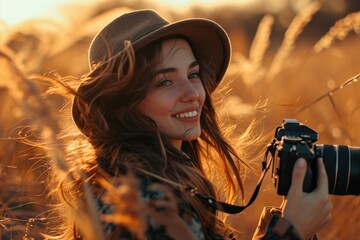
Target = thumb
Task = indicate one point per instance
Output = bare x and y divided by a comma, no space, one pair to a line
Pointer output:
298,176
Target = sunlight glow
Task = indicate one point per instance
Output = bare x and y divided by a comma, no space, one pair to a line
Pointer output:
16,11
13,12
184,4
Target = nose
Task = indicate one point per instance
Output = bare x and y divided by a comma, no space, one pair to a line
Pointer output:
189,91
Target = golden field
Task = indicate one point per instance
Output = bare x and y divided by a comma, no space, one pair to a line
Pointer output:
292,68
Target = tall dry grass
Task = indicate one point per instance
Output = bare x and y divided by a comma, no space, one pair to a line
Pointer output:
299,79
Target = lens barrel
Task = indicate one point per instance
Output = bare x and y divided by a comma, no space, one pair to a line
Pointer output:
342,164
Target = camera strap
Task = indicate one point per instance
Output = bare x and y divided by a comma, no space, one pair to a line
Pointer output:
230,208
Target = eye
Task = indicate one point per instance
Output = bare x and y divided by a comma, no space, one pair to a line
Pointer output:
194,75
163,83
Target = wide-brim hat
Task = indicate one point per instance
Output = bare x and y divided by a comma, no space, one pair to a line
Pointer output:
206,37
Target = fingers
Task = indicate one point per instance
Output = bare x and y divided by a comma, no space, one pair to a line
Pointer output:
308,212
322,182
298,176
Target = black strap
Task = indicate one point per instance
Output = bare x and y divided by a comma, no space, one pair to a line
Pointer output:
229,208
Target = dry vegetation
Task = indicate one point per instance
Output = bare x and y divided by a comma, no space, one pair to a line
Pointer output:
315,82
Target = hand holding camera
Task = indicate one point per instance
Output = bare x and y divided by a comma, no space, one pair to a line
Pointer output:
308,212
306,174
293,141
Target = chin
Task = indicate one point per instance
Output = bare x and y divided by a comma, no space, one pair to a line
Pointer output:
193,135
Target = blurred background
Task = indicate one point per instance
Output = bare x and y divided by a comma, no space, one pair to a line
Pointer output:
291,59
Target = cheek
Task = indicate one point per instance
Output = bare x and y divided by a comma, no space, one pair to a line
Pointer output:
145,108
154,108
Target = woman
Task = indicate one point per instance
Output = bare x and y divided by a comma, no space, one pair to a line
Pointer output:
146,109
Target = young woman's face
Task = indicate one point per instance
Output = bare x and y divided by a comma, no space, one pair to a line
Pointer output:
175,98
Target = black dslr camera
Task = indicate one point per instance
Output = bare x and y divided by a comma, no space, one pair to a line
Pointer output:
293,141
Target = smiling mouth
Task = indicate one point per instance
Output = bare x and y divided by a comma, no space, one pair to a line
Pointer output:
190,114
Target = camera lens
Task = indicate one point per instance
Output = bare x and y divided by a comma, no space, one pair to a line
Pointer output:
342,164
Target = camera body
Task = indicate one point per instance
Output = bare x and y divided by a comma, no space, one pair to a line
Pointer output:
293,141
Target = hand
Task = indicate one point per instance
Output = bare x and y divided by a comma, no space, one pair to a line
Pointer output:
308,212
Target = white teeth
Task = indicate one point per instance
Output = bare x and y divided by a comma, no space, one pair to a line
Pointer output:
187,114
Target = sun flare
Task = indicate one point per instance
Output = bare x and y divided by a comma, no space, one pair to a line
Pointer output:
15,11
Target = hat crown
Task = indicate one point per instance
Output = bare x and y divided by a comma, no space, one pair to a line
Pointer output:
129,26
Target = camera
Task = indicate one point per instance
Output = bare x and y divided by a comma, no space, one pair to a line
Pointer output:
294,140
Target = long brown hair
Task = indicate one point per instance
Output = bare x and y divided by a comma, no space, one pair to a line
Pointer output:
125,141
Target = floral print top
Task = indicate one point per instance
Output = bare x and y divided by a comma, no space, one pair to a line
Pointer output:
168,216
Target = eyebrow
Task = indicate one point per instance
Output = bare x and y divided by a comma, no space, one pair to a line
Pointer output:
171,69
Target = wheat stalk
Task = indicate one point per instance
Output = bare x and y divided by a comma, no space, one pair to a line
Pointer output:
252,70
354,79
294,30
261,40
339,31
29,98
